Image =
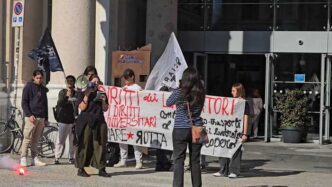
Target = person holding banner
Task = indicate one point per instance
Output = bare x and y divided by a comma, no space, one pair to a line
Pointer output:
129,81
190,92
91,129
231,167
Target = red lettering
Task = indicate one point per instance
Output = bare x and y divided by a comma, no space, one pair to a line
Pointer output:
164,102
233,106
209,103
113,94
150,98
224,106
216,104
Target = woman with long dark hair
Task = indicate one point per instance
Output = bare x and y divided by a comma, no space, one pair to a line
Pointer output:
191,92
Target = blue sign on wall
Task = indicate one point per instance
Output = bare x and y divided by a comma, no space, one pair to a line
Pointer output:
299,78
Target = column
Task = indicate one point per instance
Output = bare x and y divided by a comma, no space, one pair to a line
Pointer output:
3,93
73,31
2,42
102,49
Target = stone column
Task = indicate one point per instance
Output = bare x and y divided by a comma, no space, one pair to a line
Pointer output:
3,92
73,31
161,22
102,49
2,42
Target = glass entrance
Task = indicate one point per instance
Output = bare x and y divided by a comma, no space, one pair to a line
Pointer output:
315,70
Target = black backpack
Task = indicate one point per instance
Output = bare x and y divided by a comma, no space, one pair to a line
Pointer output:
112,154
64,114
56,112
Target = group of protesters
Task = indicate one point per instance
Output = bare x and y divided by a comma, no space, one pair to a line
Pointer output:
88,140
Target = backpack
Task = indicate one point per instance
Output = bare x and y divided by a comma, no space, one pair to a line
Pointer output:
112,154
64,114
56,111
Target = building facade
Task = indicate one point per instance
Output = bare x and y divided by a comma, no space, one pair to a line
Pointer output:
261,43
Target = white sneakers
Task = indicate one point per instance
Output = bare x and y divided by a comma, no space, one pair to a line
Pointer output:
37,162
121,164
217,174
24,162
231,175
139,165
34,162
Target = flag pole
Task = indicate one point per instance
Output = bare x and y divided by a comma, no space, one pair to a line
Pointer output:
64,74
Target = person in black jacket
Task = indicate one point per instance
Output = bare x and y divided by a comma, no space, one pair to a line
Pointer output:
66,117
91,129
35,108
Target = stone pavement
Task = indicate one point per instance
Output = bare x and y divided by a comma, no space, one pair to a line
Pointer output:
264,164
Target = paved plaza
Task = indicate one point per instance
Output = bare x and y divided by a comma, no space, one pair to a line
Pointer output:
264,164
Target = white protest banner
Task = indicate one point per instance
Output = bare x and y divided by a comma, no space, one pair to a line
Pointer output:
142,118
169,68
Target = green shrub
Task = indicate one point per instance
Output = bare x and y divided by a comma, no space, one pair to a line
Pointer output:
293,106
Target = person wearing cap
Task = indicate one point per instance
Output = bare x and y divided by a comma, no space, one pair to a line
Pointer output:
129,81
66,116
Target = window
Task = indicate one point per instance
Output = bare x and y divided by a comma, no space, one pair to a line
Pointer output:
254,15
240,16
304,16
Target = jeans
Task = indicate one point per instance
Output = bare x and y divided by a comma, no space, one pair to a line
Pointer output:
182,139
228,166
64,132
138,151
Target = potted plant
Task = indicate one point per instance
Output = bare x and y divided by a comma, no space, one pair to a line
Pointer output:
293,106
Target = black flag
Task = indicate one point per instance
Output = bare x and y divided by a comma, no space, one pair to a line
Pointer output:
46,55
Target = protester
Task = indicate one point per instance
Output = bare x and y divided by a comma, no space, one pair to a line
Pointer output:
163,162
66,117
129,81
91,129
258,106
231,167
191,92
35,108
90,71
249,99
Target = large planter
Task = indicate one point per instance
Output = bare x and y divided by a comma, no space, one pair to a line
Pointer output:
293,135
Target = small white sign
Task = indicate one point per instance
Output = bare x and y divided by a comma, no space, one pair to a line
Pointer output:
18,13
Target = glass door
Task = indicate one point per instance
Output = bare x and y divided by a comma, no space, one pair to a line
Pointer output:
201,64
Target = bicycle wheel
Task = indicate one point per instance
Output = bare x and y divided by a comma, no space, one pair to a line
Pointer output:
6,138
18,140
46,145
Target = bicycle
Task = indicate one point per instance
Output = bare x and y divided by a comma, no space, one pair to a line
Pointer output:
12,136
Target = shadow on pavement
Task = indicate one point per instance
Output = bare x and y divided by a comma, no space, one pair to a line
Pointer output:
138,172
248,170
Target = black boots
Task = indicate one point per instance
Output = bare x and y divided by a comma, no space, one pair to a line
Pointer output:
82,173
103,173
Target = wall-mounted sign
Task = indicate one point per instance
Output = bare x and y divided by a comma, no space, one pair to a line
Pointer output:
18,13
299,77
